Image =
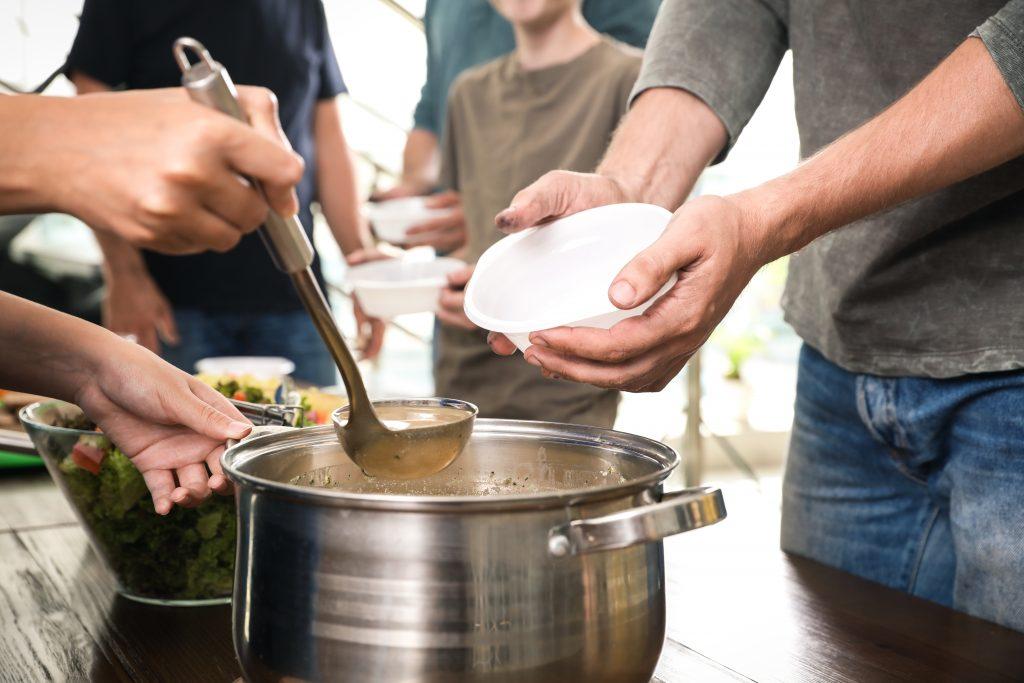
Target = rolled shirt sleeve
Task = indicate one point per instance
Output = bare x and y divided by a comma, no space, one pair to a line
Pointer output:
725,52
1003,35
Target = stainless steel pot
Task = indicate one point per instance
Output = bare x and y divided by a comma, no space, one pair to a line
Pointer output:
537,556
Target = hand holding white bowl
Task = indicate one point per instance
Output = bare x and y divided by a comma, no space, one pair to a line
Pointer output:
451,304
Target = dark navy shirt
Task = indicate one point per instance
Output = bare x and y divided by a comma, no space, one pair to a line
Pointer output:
282,45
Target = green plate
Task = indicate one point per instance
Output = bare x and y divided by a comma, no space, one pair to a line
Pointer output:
18,461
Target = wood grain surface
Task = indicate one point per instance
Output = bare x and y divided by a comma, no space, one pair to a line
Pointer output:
738,610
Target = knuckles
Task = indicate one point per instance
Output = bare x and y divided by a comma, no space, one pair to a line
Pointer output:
293,170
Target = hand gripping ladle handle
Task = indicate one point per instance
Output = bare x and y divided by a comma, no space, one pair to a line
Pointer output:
208,82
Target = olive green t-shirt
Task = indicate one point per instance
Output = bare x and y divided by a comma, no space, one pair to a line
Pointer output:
505,128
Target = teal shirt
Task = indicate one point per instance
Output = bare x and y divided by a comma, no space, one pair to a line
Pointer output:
464,33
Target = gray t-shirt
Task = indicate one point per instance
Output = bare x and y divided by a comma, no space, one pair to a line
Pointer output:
933,287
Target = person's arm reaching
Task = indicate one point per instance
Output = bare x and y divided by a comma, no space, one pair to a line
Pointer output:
962,119
421,156
132,302
339,199
336,180
419,166
663,144
170,424
706,68
151,166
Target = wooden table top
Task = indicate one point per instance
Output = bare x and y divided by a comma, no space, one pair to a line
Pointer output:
738,609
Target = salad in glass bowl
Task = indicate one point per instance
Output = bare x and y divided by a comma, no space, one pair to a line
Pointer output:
186,557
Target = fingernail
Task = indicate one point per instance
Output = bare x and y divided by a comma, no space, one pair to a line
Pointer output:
162,506
179,495
622,294
539,340
505,219
532,360
238,430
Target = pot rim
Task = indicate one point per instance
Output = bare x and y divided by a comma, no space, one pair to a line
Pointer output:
235,458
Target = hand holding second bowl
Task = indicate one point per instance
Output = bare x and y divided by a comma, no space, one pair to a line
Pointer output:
369,330
446,232
451,310
714,244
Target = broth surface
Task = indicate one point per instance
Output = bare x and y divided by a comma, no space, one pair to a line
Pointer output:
521,470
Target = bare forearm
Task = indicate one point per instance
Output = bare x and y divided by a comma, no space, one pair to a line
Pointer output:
47,352
30,182
420,161
339,197
662,146
961,120
120,259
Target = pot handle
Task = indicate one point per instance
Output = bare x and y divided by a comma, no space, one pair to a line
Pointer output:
677,512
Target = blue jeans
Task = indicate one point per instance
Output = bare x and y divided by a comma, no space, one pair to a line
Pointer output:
912,482
289,334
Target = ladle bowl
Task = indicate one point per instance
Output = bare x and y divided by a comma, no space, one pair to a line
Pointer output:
418,437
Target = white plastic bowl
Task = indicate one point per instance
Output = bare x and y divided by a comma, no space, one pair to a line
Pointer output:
393,217
262,367
559,274
386,289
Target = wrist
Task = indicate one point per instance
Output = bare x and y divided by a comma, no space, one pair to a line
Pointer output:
629,187
774,220
32,181
416,184
97,350
119,270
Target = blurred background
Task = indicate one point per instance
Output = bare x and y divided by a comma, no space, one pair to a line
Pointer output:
748,368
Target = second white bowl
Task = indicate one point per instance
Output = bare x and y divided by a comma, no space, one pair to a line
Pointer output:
392,218
393,287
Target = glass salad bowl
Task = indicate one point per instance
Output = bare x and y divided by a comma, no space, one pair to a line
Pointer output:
184,558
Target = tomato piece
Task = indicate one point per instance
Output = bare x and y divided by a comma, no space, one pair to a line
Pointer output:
239,395
87,457
313,416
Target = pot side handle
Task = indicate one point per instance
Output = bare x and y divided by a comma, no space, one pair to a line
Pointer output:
677,512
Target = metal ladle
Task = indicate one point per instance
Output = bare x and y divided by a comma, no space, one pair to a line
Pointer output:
412,452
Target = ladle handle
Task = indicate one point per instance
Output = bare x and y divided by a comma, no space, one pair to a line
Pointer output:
208,83
677,512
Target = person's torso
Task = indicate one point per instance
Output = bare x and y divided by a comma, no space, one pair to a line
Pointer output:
271,43
467,33
509,127
930,287
512,126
